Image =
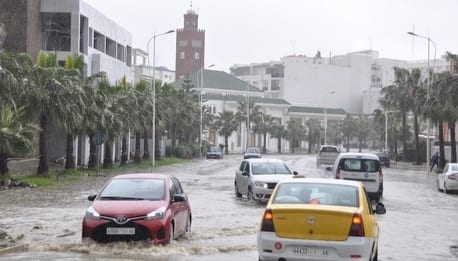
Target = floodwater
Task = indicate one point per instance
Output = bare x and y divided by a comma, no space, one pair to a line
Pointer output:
419,224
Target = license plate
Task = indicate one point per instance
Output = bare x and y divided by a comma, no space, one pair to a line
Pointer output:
310,251
120,231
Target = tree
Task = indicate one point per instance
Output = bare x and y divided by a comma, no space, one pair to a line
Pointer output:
363,130
263,127
226,123
278,131
348,130
14,136
313,134
296,133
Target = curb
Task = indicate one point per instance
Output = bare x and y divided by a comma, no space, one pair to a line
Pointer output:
12,249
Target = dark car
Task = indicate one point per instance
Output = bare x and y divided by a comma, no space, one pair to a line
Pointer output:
134,207
214,153
252,153
384,158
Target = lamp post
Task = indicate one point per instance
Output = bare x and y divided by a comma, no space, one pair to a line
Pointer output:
153,38
427,95
326,115
200,103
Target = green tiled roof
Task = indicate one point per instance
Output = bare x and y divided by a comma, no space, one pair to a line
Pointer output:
317,110
219,80
233,97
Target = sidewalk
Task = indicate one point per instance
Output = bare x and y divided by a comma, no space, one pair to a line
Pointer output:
408,166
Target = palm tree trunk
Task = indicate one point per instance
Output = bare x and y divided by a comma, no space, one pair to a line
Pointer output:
69,157
145,146
264,149
279,144
3,165
43,164
108,159
124,150
404,137
92,164
452,141
226,144
157,147
137,157
441,146
417,144
348,143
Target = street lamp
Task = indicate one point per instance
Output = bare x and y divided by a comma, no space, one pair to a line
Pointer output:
153,38
427,95
326,115
200,103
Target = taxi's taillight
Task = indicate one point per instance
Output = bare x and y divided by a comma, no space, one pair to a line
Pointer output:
268,221
453,176
357,226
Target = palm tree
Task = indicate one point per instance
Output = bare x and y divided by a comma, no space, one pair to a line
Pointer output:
248,112
226,123
363,130
313,134
14,136
263,127
396,97
278,131
296,133
335,132
348,130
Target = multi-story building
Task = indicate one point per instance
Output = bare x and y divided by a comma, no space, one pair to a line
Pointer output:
144,70
70,28
190,46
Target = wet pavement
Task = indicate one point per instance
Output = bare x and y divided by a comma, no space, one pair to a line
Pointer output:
419,224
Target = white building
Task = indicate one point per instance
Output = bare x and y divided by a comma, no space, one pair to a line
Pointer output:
352,81
144,70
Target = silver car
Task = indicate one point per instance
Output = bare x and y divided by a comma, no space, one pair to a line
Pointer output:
448,179
257,177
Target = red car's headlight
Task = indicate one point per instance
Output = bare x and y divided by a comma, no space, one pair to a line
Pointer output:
91,213
157,214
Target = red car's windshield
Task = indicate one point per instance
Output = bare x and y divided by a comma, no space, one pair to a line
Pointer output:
134,189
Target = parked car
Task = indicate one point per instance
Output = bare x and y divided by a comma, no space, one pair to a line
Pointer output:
364,167
327,155
384,158
134,207
252,153
448,179
214,153
319,219
257,177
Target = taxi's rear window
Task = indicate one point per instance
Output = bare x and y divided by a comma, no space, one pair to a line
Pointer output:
361,165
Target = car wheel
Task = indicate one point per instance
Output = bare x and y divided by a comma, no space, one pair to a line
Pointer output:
188,224
237,193
445,189
171,233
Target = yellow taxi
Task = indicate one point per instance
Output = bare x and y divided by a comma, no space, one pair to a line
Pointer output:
319,219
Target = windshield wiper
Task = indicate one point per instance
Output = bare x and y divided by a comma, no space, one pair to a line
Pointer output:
120,198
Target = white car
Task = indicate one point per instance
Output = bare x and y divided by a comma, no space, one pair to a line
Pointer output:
364,167
257,177
448,179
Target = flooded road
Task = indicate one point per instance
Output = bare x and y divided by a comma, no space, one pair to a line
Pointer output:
419,224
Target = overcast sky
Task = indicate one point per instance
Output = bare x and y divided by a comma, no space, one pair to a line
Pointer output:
246,31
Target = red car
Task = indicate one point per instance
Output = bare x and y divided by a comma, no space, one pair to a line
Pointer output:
133,207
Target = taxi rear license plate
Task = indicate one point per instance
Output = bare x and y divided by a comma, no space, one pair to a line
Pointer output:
120,231
310,251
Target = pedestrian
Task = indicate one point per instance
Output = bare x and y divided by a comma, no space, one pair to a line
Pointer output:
434,161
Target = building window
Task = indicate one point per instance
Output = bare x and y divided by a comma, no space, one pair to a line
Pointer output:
182,55
91,34
196,43
99,41
129,56
111,48
197,55
121,53
84,40
183,43
275,85
56,31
